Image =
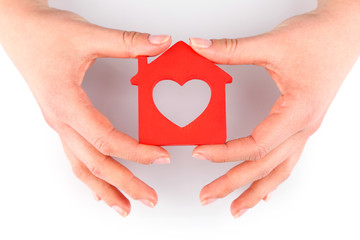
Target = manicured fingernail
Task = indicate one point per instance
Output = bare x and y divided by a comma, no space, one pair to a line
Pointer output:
162,160
147,203
158,39
199,156
96,197
208,201
267,197
120,211
200,42
241,212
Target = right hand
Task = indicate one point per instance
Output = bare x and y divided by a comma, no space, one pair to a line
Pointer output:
308,56
53,49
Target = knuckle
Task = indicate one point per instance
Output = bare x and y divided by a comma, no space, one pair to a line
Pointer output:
136,155
259,153
263,172
96,167
309,113
95,170
56,125
231,47
284,175
285,171
79,172
306,119
128,40
310,121
50,121
260,150
102,143
53,114
314,126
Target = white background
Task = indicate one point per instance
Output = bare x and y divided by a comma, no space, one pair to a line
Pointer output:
41,199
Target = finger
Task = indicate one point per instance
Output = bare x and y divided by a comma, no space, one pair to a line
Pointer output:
126,44
250,50
249,171
78,112
286,118
107,169
267,197
96,197
105,191
259,189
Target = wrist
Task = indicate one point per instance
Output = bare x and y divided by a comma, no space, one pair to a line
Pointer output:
15,13
12,6
344,14
341,8
339,3
22,3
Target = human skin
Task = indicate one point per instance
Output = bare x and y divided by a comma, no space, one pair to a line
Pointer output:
308,56
53,49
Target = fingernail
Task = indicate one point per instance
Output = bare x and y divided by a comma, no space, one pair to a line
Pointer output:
158,39
241,212
162,160
208,201
200,42
120,211
147,203
267,197
199,156
96,197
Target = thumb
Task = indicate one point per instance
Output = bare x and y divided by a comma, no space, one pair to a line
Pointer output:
125,44
251,50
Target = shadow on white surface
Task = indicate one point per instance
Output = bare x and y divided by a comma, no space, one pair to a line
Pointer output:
249,99
41,199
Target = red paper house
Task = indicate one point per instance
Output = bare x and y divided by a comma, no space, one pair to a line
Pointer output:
181,63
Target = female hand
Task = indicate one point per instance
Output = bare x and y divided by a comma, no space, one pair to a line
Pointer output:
53,49
308,57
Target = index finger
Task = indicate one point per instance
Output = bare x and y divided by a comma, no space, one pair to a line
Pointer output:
91,124
286,119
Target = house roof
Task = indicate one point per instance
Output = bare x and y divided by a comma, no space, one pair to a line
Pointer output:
179,58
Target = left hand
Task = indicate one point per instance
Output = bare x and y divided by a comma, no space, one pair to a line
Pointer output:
53,49
308,57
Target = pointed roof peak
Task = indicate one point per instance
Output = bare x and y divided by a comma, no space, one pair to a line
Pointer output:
180,57
180,48
180,42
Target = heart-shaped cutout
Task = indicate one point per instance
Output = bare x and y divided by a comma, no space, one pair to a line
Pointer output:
181,104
